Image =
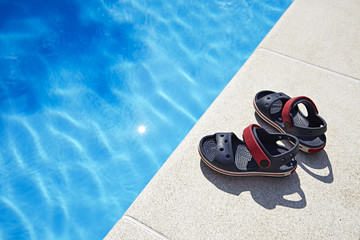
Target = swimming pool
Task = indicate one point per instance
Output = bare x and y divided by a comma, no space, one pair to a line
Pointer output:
95,96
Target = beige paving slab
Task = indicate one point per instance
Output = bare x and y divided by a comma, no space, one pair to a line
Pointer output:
322,32
187,200
131,229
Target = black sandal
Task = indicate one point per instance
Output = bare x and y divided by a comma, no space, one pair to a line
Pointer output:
258,155
283,113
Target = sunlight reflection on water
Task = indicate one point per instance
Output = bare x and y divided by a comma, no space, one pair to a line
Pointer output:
95,96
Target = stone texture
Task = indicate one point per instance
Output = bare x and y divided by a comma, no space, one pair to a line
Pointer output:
131,229
322,32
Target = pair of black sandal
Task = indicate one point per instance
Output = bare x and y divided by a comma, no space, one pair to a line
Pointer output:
262,153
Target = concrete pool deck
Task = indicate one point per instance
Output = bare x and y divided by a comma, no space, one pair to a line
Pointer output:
313,50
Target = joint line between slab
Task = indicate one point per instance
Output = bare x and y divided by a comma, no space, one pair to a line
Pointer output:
307,63
144,227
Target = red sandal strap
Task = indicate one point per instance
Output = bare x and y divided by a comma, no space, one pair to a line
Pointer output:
288,106
254,148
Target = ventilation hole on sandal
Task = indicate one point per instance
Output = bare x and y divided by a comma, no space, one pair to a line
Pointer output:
221,149
221,135
268,98
227,156
225,141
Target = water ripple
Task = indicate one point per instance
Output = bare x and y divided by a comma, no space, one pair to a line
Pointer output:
13,214
95,96
177,106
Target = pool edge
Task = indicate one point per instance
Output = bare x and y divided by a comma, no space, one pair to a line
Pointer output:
139,211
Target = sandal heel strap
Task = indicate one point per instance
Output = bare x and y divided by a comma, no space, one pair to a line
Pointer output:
312,114
254,148
264,159
289,105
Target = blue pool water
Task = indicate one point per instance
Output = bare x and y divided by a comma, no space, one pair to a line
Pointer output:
95,95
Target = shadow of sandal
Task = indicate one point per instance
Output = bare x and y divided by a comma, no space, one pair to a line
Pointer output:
316,165
268,192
